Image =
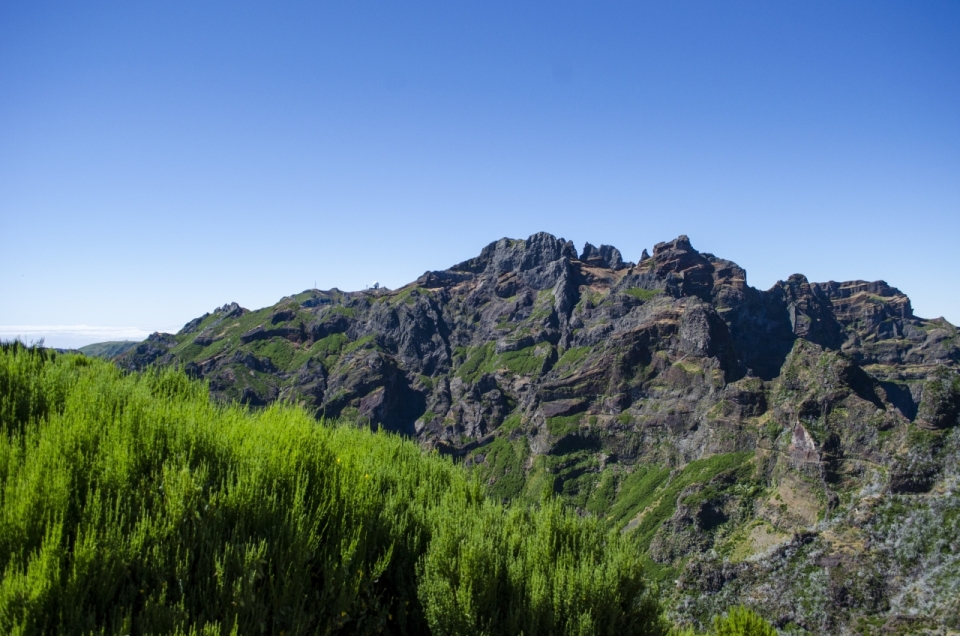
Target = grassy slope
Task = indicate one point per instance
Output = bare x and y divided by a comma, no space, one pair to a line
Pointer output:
131,504
108,349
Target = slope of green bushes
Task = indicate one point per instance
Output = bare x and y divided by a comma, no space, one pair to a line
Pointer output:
129,504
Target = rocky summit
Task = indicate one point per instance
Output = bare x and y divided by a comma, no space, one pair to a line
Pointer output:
795,449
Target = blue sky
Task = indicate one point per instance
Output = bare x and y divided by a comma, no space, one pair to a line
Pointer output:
160,159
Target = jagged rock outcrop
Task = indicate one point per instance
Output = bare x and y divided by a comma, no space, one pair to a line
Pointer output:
605,256
754,441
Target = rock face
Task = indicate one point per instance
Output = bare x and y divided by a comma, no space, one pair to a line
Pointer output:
794,449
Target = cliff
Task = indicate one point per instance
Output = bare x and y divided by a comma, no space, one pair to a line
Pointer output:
794,449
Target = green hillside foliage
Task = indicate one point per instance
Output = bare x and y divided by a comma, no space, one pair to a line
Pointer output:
738,621
108,349
642,294
701,470
572,576
131,504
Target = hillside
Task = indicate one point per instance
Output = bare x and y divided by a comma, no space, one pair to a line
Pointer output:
131,504
108,349
794,449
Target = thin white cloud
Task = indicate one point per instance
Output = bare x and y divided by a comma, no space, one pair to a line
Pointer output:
73,336
73,331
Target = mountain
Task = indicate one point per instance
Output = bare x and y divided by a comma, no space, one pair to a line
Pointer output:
108,349
794,449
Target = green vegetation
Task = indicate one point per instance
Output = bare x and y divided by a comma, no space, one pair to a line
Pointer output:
502,468
572,356
589,298
940,405
699,471
542,306
476,360
511,424
408,296
690,368
549,557
563,424
226,333
637,492
108,349
604,494
366,342
279,351
484,359
739,621
642,294
132,504
574,475
326,350
340,310
524,361
331,346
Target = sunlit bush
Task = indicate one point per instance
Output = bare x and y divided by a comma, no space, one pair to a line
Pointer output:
132,504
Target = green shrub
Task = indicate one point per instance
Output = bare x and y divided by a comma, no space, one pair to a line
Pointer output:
511,423
573,356
698,471
523,362
642,294
503,468
740,621
563,424
132,504
552,572
638,491
477,360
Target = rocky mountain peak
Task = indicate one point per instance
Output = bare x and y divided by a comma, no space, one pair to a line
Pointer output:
680,264
754,419
511,255
604,256
677,256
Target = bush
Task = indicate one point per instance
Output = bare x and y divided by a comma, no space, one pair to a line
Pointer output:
740,621
542,571
132,504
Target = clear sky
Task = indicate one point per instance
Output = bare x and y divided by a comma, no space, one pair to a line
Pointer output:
159,159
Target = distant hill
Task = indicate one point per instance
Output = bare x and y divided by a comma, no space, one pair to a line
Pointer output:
795,449
108,349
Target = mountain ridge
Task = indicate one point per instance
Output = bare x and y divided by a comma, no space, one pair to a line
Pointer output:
716,422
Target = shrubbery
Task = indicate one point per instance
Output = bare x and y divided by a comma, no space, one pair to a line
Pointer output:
129,504
738,621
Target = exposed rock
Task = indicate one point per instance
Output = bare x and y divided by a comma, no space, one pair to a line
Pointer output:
605,256
754,440
151,351
563,407
940,401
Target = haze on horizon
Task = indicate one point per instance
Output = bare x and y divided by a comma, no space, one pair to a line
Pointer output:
158,160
